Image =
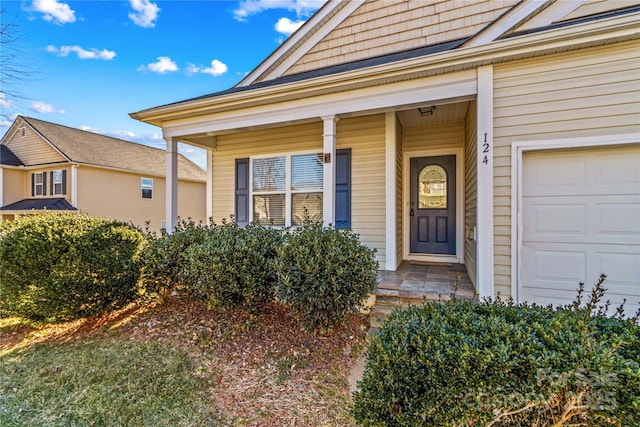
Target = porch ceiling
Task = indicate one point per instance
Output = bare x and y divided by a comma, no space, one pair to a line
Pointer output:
442,113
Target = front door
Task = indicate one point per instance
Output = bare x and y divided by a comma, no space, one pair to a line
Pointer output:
432,205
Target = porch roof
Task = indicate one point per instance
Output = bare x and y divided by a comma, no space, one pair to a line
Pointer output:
54,204
8,158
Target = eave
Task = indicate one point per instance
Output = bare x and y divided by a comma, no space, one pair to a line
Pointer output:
619,28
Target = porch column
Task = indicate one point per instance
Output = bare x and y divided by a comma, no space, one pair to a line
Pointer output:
1,190
484,219
209,191
329,171
171,185
390,191
74,186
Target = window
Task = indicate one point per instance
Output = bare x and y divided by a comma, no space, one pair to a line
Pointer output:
147,188
58,183
433,188
287,189
39,184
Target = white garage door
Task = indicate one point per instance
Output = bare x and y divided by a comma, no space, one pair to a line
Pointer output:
580,219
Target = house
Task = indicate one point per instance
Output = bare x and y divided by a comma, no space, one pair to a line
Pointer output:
47,166
503,135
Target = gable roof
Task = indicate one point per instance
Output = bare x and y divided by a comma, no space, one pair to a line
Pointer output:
8,158
90,148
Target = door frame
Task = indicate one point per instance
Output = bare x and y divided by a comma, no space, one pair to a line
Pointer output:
518,148
458,258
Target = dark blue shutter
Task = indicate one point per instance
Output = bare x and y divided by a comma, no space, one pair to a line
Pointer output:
33,185
343,188
242,192
44,183
51,184
64,182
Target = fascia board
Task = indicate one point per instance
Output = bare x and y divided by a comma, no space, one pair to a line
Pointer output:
616,27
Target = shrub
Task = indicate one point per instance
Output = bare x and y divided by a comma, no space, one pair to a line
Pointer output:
164,260
495,363
234,266
64,266
325,273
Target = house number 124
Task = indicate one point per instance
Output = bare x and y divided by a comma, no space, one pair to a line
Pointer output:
485,150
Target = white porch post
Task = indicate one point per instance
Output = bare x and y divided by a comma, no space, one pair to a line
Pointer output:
74,186
329,172
390,191
484,220
171,185
209,195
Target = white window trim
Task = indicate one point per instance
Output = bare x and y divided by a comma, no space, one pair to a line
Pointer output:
142,188
61,182
43,184
518,148
287,191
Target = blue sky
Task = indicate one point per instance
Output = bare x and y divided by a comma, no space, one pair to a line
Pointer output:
90,63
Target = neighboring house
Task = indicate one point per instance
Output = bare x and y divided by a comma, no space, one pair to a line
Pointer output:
46,166
499,134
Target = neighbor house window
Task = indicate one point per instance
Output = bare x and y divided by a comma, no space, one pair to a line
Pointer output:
147,188
57,183
287,189
39,184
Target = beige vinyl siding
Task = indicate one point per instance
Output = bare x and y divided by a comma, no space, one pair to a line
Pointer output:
117,195
470,190
366,138
280,140
380,27
592,7
433,137
399,210
591,92
14,183
32,149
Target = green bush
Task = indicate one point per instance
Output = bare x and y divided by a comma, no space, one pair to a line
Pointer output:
234,266
164,260
494,363
63,266
325,273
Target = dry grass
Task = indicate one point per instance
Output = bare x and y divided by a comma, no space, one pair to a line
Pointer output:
260,370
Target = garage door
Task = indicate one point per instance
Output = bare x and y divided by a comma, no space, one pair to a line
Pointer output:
580,219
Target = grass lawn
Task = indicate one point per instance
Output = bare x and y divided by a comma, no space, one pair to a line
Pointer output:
176,364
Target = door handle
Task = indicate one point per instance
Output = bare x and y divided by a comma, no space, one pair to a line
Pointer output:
411,213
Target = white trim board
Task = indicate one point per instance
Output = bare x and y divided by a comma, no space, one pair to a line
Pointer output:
518,148
460,207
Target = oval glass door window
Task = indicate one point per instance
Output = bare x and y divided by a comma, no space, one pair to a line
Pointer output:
432,184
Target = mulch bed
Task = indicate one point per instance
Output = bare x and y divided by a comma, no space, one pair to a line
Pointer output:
257,370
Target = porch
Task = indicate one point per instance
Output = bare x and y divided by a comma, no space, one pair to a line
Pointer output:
415,282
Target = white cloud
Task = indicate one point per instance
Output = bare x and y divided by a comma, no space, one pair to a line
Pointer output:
144,13
217,68
287,27
164,65
44,108
82,53
54,11
4,102
247,8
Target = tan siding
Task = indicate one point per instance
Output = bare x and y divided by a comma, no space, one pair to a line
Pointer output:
428,137
593,7
246,144
366,138
380,27
399,174
28,181
14,183
117,195
592,92
32,149
470,190
364,135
